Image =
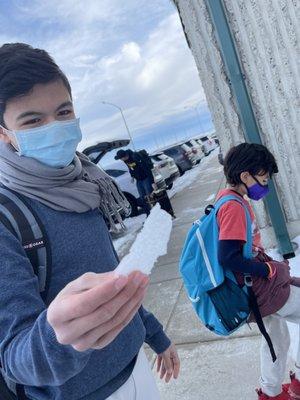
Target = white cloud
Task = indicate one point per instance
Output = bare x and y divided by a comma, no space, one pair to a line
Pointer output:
157,80
117,51
131,51
72,11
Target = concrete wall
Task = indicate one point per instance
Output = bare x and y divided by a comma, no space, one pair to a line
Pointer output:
267,34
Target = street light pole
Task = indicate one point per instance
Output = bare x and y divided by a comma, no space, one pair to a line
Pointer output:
197,113
121,111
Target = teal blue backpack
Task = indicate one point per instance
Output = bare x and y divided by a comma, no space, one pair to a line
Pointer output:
220,302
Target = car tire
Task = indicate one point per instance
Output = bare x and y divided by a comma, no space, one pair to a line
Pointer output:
133,204
180,170
170,186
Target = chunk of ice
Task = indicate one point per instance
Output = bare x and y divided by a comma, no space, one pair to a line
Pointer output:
150,243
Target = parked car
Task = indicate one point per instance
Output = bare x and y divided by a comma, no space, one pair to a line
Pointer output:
97,151
192,154
196,149
182,157
120,172
127,185
167,167
216,139
207,145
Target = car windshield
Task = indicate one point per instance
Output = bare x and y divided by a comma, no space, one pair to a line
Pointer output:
93,155
185,146
173,150
204,139
155,158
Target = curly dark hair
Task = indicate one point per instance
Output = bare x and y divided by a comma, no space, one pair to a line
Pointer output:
251,157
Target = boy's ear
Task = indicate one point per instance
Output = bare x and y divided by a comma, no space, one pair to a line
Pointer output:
245,176
3,136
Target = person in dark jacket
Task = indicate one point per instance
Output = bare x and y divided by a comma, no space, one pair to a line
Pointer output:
140,168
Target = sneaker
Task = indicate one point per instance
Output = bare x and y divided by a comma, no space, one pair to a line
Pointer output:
282,396
294,387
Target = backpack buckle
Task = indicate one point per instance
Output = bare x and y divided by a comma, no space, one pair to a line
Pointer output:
194,299
248,280
208,209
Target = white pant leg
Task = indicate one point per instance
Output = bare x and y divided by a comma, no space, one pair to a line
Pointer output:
272,374
291,313
146,388
297,361
140,385
126,391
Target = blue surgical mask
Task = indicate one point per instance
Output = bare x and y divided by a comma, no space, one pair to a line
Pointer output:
53,144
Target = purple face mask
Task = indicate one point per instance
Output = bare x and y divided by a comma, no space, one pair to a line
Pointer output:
257,191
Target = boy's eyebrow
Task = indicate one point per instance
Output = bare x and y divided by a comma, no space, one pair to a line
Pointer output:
65,104
28,114
31,113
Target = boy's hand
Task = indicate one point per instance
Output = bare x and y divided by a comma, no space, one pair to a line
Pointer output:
168,364
279,269
93,309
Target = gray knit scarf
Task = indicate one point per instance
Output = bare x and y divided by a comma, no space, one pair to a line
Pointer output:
79,187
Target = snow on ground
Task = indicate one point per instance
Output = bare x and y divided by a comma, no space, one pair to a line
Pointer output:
190,176
211,197
213,170
196,211
133,225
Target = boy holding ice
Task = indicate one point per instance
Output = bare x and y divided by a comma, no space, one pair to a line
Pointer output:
86,340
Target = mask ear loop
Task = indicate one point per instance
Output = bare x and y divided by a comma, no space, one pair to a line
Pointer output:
257,181
247,189
12,137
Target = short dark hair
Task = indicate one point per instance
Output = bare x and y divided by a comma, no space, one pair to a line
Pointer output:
251,157
121,154
22,67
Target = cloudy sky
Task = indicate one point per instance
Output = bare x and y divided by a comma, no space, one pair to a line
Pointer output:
131,53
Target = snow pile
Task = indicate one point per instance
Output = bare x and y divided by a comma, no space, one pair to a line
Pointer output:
198,211
133,225
190,176
150,243
211,197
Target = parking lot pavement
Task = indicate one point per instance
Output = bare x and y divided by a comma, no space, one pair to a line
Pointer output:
213,367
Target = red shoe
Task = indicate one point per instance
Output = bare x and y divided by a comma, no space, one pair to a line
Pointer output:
294,387
282,396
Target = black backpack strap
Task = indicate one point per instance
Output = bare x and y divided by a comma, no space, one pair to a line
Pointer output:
5,392
258,318
9,390
20,391
22,221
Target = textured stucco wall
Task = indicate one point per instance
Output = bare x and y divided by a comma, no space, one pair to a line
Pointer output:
267,35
